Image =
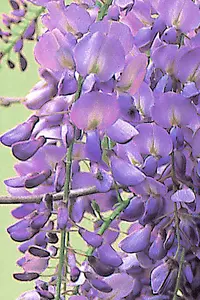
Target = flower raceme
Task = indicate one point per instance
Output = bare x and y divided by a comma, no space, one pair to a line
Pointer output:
113,139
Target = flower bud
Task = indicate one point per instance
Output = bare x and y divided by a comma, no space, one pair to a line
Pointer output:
93,239
164,276
25,150
157,250
21,132
133,211
136,241
63,217
109,256
100,268
97,283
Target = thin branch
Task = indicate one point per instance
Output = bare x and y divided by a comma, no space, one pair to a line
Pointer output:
56,196
178,281
25,23
65,236
105,226
7,101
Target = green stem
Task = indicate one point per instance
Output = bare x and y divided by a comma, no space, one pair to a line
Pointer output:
175,188
103,10
102,13
175,297
80,84
104,227
64,239
37,12
109,220
63,232
177,230
60,264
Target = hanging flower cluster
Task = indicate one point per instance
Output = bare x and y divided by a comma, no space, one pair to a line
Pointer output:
114,137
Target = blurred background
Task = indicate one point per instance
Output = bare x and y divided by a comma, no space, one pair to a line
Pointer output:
13,83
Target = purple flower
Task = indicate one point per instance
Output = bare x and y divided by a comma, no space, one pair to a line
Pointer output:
26,149
21,132
178,13
137,241
133,73
95,110
172,109
153,139
95,54
125,173
29,295
163,277
93,239
54,45
183,195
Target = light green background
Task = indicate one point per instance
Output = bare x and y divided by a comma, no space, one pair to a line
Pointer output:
12,83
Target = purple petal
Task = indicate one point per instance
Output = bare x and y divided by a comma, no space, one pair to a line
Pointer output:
16,182
159,276
157,250
115,29
164,57
169,238
189,72
133,211
178,13
195,144
40,220
40,94
26,276
150,166
22,235
23,210
21,132
125,173
93,146
53,52
62,219
25,150
95,110
33,295
93,239
40,252
136,241
18,45
109,256
173,109
98,284
122,285
68,84
121,131
29,32
144,99
37,179
79,208
95,54
153,139
184,195
152,208
104,181
100,268
78,18
60,174
133,73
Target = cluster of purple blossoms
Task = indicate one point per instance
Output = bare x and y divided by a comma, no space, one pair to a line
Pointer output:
114,137
20,25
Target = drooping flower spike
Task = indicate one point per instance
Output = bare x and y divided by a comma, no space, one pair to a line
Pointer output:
108,171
